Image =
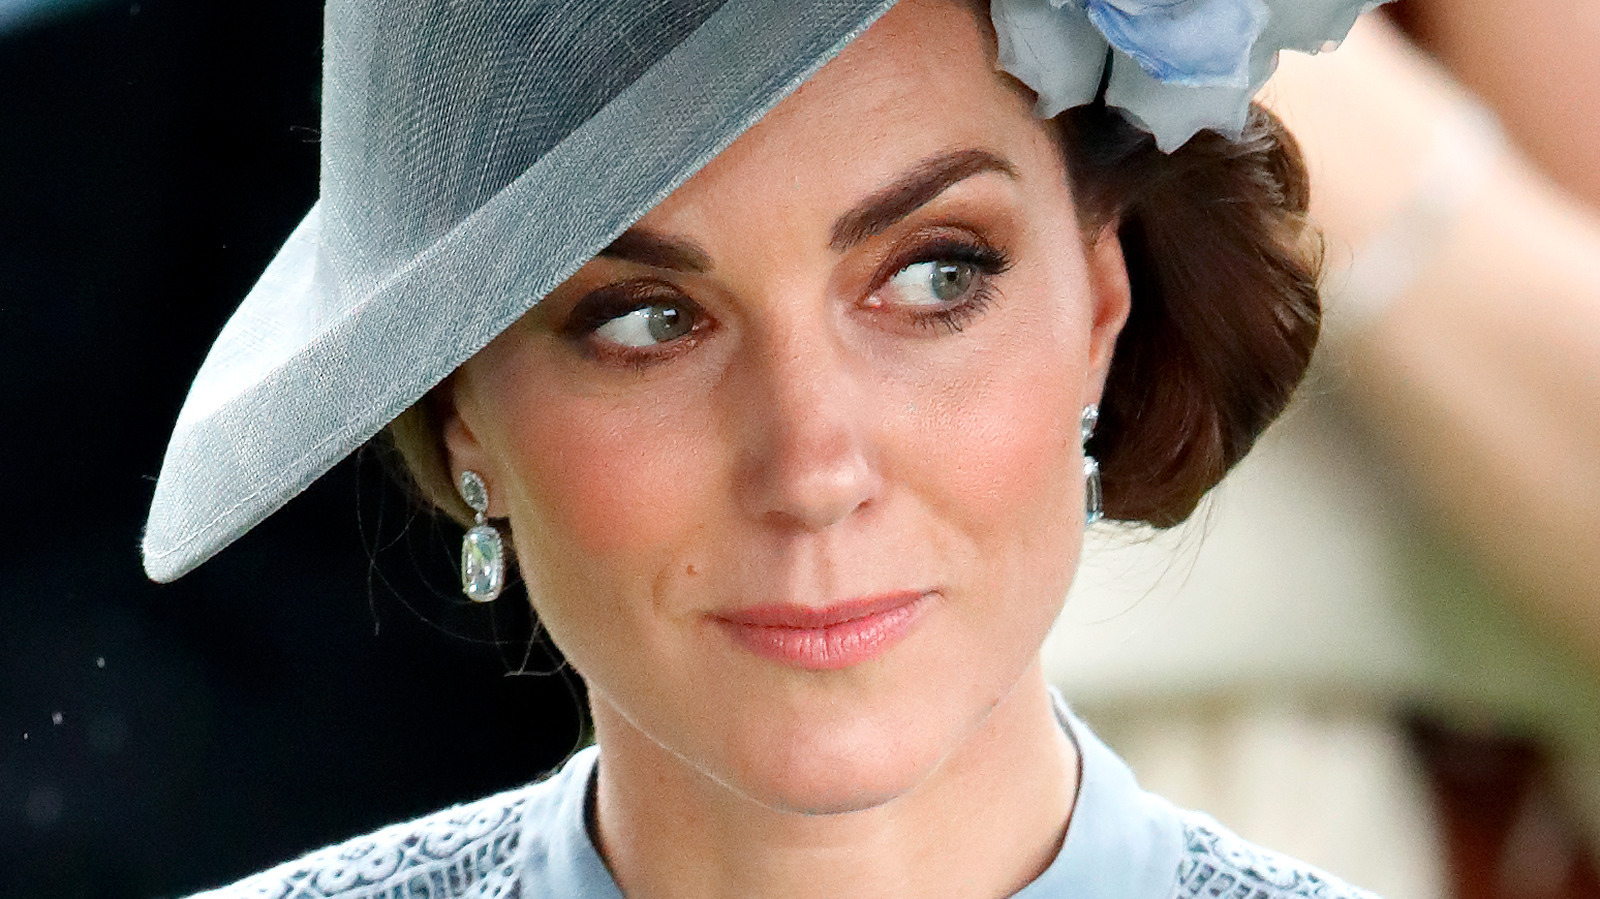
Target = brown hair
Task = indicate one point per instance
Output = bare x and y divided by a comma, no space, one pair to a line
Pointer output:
1223,269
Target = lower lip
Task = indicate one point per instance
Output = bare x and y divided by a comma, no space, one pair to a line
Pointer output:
832,646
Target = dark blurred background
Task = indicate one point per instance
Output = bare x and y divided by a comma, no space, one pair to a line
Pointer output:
321,677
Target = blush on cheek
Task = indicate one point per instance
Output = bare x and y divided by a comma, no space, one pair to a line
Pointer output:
1018,479
601,490
1007,447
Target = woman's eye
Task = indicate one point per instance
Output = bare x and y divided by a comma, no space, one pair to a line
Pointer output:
646,326
636,322
950,283
939,282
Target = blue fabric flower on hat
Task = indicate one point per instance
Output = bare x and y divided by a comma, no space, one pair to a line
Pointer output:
1176,66
1201,43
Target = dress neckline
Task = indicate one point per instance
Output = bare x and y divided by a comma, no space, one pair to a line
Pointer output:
1121,842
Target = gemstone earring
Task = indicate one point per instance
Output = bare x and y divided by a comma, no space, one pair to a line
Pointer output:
1092,509
483,553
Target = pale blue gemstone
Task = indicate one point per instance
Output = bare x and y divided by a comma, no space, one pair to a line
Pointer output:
1092,499
474,491
483,564
1088,421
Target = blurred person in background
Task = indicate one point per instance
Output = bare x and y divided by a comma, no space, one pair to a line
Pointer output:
1422,653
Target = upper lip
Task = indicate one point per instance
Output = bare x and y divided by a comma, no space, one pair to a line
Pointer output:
802,617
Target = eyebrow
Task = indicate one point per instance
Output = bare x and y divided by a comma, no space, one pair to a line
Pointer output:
649,248
871,217
932,177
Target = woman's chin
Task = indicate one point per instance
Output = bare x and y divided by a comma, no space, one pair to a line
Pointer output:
833,773
827,786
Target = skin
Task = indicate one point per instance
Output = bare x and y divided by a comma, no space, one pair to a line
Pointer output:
1534,62
824,432
1482,377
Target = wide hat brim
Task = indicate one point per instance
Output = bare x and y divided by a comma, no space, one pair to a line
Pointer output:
299,378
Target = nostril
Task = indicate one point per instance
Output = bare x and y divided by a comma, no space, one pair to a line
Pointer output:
812,480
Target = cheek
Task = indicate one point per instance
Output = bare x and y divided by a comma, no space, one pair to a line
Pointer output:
1013,469
1006,434
1001,459
599,483
1006,440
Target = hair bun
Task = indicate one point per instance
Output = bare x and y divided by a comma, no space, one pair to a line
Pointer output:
1223,267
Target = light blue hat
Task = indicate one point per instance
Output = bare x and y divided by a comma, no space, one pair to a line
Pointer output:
475,153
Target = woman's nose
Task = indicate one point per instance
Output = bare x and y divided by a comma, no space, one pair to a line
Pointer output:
809,445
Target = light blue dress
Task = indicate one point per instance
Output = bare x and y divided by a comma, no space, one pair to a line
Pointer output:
531,843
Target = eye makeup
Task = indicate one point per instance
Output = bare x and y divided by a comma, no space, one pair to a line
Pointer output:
666,316
937,279
949,253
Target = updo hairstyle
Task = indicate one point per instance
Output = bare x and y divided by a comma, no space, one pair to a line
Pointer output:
1223,269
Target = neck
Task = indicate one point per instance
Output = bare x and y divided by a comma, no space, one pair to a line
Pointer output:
985,822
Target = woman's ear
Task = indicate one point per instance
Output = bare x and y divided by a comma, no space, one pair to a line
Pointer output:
1111,298
462,448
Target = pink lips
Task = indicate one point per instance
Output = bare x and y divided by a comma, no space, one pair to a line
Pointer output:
827,638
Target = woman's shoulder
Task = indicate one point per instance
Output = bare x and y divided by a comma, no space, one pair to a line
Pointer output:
474,849
1125,842
476,843
1217,862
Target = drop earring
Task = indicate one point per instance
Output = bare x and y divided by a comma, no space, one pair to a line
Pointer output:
1092,498
483,553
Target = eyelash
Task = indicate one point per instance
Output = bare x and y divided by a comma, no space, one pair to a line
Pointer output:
613,301
616,300
987,260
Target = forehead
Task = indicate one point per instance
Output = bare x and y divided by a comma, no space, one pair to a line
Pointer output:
920,82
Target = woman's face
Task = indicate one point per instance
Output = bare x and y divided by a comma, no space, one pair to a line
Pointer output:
793,467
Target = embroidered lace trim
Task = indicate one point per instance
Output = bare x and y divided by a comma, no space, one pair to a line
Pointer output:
1219,865
473,852
461,852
